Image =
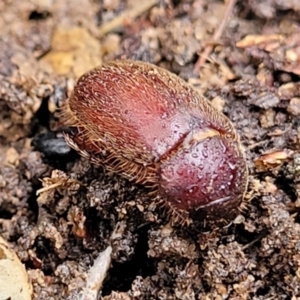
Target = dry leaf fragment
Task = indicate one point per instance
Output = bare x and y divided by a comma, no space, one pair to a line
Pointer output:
267,42
74,51
294,106
14,282
289,90
272,160
281,52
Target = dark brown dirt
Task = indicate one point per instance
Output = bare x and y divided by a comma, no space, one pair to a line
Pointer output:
251,74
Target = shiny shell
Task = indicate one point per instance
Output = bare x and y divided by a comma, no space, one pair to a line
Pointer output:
150,126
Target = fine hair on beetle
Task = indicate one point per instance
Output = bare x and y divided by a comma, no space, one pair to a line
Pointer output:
151,127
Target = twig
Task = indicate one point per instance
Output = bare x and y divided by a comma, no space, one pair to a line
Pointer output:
217,35
131,13
96,275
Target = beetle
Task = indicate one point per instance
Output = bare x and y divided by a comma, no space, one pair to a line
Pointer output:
153,128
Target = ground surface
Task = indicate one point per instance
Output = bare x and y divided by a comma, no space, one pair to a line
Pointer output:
251,74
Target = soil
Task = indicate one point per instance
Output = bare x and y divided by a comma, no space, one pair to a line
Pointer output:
62,215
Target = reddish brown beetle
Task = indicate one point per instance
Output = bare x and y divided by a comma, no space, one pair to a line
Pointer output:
150,126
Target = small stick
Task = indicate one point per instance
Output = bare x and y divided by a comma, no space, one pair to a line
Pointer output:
130,14
217,35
